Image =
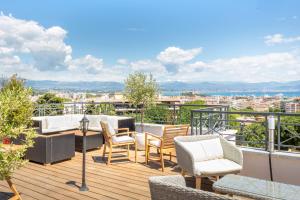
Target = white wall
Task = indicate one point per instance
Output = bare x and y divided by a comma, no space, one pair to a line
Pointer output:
286,166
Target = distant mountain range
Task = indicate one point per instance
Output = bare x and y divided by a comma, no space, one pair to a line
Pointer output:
168,86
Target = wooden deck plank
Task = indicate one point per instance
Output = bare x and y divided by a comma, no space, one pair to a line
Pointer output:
121,180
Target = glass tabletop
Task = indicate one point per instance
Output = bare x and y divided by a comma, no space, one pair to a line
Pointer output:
256,188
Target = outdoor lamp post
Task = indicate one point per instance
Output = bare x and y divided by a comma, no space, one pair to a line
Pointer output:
84,124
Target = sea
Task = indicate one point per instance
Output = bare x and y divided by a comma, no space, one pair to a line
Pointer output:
257,94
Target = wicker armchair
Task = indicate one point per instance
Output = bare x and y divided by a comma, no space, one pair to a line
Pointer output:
174,188
207,156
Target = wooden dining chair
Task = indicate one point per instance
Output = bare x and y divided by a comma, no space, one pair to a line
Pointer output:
115,139
163,143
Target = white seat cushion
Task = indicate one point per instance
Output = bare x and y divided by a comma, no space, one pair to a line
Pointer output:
203,150
122,139
218,166
155,143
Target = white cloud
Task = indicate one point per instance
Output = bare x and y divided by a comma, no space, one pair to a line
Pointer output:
46,47
175,55
279,39
259,68
122,61
88,64
149,66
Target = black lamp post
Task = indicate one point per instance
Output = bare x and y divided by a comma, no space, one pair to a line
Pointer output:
84,127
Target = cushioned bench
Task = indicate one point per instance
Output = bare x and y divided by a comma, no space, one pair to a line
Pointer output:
56,139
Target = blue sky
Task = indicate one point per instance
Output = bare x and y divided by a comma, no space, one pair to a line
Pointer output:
175,40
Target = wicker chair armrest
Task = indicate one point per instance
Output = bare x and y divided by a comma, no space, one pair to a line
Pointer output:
152,135
184,158
122,133
122,129
231,152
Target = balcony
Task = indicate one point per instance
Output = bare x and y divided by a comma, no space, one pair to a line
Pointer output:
128,180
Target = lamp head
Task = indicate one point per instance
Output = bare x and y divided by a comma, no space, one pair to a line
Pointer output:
84,123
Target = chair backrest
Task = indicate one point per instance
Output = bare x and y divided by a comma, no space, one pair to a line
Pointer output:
171,131
106,131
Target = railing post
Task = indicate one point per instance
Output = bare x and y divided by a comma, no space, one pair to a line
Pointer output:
200,126
209,123
174,114
192,125
271,130
278,132
180,114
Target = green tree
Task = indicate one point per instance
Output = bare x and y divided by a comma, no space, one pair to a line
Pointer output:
16,111
50,104
159,114
290,130
141,90
103,108
185,111
253,134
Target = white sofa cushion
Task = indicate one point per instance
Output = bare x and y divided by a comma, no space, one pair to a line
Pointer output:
205,149
113,121
44,121
94,121
122,139
56,122
218,166
156,129
155,143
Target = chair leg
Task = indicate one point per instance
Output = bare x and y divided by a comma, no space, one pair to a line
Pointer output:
109,155
148,154
128,151
170,156
135,152
162,160
14,189
198,182
182,172
103,154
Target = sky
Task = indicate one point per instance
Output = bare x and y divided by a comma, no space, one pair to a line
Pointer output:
190,40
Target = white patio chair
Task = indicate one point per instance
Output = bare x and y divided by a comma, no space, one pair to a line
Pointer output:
207,156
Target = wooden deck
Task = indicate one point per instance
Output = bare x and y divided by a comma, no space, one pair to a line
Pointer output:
122,180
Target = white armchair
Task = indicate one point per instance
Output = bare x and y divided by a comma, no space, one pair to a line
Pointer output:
207,156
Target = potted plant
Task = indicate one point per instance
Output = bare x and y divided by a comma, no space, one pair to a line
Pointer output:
16,130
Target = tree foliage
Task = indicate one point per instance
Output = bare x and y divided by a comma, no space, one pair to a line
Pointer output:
185,110
159,114
141,90
50,104
93,109
16,111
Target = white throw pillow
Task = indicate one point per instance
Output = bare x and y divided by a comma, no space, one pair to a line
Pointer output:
111,129
205,149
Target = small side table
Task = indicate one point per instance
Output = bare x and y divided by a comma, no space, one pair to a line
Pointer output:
256,188
5,148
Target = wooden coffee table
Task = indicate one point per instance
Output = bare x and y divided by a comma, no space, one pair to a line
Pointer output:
256,188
